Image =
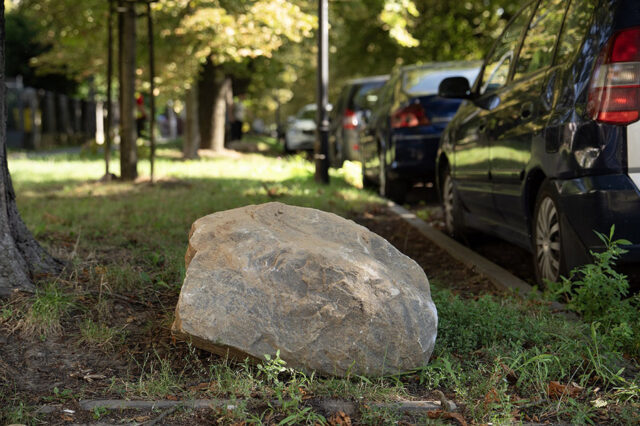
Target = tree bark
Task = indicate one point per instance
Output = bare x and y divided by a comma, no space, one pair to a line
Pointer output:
128,134
21,257
192,132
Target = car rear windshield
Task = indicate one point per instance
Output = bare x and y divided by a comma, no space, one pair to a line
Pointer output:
307,114
425,81
365,95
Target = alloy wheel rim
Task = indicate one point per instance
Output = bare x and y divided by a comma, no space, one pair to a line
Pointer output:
548,240
448,204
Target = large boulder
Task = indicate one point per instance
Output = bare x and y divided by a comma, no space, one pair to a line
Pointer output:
329,294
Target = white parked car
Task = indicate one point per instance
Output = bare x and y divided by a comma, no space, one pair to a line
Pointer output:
301,131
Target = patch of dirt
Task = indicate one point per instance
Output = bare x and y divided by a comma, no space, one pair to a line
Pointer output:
437,264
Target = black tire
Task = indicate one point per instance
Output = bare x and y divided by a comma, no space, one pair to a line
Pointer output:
393,189
285,146
549,260
452,207
366,182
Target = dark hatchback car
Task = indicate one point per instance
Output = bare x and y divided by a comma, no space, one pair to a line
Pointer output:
400,140
546,147
355,101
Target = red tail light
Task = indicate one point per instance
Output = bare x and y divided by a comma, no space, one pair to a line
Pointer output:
409,116
614,94
349,120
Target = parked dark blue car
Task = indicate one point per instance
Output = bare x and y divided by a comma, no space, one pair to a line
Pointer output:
546,148
400,141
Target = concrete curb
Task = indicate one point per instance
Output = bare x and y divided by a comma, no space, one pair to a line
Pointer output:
500,277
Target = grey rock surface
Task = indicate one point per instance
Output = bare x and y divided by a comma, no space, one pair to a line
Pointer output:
329,294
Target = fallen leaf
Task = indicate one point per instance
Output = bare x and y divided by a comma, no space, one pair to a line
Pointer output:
172,397
556,390
91,377
141,419
200,387
340,418
599,403
67,418
439,414
491,397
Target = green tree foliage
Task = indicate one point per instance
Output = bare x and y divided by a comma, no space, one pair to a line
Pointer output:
187,33
272,41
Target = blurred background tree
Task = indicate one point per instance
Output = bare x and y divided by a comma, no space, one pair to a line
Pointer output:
264,48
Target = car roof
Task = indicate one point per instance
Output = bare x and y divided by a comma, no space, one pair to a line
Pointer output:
443,65
371,79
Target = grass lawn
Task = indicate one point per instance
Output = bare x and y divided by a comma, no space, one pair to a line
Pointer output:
101,330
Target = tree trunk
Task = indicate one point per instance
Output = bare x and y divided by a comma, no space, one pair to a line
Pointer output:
128,134
219,118
206,86
192,132
21,257
213,89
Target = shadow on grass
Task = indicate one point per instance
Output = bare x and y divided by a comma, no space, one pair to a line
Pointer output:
158,217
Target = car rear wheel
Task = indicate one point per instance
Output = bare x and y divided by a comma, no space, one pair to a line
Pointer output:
548,255
393,189
286,148
453,218
367,183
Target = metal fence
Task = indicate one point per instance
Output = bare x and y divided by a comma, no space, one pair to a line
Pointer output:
39,119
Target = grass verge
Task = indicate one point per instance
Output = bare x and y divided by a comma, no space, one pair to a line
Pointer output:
502,360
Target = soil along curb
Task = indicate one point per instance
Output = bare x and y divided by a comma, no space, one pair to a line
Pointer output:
499,276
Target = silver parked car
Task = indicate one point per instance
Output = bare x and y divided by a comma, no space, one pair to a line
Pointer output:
301,131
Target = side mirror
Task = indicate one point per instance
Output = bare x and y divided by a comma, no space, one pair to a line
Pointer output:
454,87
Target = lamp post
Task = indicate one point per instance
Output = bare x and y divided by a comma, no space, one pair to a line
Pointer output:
321,149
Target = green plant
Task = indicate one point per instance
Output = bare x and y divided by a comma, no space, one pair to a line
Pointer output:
158,378
289,391
380,415
99,412
100,335
599,294
593,289
19,414
43,318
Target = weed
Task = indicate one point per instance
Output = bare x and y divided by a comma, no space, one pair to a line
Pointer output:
380,415
43,318
100,335
98,412
599,294
289,393
158,379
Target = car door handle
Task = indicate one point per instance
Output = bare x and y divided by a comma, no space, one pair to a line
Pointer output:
526,110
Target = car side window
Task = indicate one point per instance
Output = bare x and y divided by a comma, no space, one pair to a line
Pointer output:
537,49
496,70
575,28
387,91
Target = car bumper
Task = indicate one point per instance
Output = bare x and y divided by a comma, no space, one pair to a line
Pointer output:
300,141
415,156
596,203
